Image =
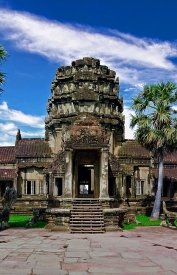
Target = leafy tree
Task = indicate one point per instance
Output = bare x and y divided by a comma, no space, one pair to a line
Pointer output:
156,126
3,55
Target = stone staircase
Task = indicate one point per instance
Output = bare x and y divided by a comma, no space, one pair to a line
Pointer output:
86,216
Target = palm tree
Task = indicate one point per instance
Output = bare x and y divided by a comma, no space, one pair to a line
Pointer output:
156,126
3,55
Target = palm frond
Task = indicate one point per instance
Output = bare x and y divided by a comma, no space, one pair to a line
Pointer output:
3,55
154,116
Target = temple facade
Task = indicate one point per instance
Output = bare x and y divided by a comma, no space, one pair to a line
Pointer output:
84,152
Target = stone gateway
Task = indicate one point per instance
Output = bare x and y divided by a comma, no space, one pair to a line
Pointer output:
84,153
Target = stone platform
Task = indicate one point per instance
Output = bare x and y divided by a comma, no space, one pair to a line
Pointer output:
143,251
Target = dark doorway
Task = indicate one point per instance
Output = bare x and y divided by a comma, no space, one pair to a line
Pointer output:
3,186
85,180
58,183
166,186
128,187
112,187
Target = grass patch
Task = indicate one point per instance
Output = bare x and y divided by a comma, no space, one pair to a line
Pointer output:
145,221
129,226
18,221
21,221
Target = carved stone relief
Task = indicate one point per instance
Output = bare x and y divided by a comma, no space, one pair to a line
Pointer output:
58,164
86,156
85,87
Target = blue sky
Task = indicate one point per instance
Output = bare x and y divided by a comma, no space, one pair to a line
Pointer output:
137,39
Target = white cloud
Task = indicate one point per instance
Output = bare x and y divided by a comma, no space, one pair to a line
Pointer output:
136,60
7,133
129,89
10,127
4,106
129,133
19,117
12,120
39,133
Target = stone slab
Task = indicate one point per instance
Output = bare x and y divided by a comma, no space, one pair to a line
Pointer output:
144,250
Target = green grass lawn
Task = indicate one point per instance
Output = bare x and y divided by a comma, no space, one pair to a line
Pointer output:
21,221
145,221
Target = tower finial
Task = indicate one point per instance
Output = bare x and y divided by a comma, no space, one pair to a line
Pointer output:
18,137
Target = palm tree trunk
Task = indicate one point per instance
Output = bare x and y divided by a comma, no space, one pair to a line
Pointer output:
156,209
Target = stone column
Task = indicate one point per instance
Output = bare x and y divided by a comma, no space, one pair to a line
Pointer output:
133,186
75,180
58,139
68,174
104,173
24,187
112,142
119,184
97,177
50,184
15,183
45,185
124,185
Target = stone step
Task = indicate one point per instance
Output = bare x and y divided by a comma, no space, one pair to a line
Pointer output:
85,211
87,216
92,207
87,205
88,226
84,214
87,230
85,202
89,221
85,199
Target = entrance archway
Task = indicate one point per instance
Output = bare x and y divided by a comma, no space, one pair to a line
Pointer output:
86,173
86,179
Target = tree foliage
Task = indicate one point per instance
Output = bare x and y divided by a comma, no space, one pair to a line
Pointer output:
3,55
156,122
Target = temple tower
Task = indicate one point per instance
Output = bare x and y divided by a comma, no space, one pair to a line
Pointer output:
84,125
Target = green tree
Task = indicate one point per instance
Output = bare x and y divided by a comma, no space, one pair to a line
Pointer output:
3,55
156,126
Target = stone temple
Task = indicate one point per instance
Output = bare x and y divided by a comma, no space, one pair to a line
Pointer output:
84,153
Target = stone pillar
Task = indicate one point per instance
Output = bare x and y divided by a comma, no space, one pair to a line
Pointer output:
15,183
124,186
97,177
50,184
112,142
68,174
133,186
55,191
45,185
75,180
104,173
119,184
24,187
58,139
